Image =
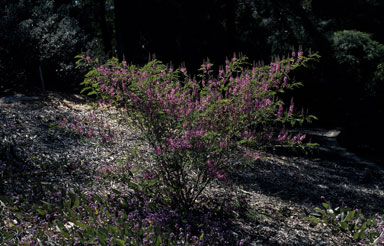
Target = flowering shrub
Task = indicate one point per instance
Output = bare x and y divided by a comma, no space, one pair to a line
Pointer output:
194,126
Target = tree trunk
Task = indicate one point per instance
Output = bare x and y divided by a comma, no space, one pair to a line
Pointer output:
231,25
106,33
128,19
41,78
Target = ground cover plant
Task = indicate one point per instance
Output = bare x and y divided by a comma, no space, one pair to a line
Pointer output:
367,230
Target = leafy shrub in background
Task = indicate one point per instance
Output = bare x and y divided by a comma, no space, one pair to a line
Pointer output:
360,56
195,126
41,33
360,87
355,47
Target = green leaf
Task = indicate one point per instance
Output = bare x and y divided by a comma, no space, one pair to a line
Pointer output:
80,224
85,89
85,82
120,242
77,202
113,229
158,241
362,234
316,214
72,196
41,212
116,192
102,236
355,235
98,198
325,205
374,222
89,210
343,225
132,184
71,213
315,220
350,216
341,216
91,93
5,200
60,224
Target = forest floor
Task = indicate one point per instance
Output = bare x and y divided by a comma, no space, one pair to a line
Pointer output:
273,196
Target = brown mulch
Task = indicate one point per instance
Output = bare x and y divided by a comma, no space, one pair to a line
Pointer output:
276,193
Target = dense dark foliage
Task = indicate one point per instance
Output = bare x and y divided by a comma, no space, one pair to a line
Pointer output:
40,38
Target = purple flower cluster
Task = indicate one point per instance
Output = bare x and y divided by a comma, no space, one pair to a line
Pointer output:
78,219
215,171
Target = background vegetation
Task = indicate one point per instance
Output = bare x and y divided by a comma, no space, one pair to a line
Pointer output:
39,40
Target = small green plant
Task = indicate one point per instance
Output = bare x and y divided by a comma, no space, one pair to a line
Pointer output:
363,229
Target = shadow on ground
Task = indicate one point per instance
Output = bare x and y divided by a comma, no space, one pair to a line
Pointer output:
329,171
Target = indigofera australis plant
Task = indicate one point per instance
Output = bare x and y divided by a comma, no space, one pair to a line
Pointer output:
194,125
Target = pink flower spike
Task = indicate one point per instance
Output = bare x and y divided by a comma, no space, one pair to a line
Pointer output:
223,144
63,125
300,53
291,108
288,68
158,150
280,112
302,137
210,163
277,66
220,175
282,136
285,82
